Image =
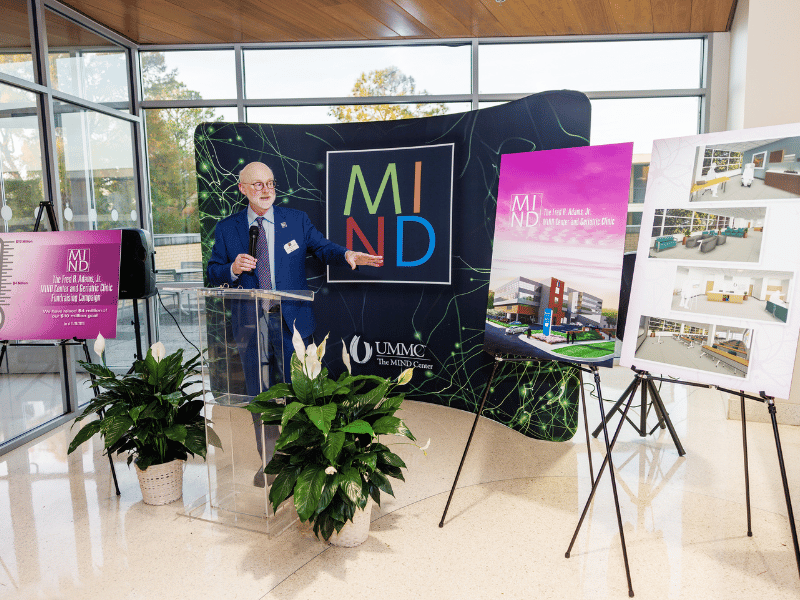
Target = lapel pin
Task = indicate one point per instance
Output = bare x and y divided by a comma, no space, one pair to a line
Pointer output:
283,224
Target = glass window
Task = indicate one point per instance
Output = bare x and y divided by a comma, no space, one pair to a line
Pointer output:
590,66
30,389
170,153
642,120
339,72
188,75
94,154
310,115
20,159
639,173
15,57
85,64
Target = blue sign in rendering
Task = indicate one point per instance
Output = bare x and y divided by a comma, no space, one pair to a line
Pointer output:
548,316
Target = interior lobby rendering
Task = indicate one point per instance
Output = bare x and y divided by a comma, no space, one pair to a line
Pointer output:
99,102
733,293
718,234
753,170
694,345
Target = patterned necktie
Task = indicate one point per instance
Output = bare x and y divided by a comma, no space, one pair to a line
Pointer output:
262,266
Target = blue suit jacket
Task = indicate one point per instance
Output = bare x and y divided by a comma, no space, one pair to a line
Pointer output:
231,238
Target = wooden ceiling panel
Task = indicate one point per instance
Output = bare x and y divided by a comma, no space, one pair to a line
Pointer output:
434,17
630,16
397,19
515,17
710,15
15,28
596,17
555,16
475,17
357,18
672,16
309,14
233,21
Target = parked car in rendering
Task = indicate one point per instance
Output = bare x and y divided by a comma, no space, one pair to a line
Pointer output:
516,327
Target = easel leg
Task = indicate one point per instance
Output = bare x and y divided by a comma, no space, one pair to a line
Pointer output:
664,416
772,412
632,386
110,459
608,461
746,468
586,425
469,440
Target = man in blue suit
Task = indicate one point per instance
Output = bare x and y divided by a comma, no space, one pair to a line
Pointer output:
285,236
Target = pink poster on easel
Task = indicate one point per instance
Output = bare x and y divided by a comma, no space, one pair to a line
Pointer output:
59,285
557,258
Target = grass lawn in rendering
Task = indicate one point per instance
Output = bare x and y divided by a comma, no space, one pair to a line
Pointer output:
588,350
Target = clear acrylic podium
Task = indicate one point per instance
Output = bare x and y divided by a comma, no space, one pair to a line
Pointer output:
235,326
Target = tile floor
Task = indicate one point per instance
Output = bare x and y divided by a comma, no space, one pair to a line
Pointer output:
65,535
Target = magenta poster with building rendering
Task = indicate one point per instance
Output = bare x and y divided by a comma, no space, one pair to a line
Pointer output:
558,244
59,285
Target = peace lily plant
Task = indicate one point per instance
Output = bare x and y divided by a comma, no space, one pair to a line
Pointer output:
147,412
328,457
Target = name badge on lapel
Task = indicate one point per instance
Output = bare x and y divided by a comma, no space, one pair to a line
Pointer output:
290,247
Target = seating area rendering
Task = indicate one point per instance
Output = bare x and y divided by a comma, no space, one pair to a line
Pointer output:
738,232
664,242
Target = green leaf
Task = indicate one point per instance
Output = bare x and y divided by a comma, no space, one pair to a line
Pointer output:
383,484
301,384
358,426
290,411
333,445
177,433
115,427
278,462
307,491
322,416
86,433
195,440
283,485
391,459
386,425
279,390
370,459
350,484
328,492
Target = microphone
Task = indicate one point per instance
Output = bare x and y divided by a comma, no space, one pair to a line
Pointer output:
253,239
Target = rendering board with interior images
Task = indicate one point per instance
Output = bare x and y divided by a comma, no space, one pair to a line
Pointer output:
765,168
557,257
717,271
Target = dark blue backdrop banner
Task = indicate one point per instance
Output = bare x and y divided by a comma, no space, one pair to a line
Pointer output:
427,306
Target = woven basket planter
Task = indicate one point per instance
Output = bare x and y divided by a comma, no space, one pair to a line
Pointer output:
161,484
355,532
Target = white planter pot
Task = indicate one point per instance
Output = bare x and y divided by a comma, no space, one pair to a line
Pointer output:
355,532
161,484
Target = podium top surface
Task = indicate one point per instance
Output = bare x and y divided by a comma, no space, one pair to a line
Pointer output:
236,293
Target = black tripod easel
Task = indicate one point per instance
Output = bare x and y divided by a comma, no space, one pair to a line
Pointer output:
644,381
648,380
498,359
51,217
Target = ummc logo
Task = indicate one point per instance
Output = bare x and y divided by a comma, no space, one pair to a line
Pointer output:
354,351
390,353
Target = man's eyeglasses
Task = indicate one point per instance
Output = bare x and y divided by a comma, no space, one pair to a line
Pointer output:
260,185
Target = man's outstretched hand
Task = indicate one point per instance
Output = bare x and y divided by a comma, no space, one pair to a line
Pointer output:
355,259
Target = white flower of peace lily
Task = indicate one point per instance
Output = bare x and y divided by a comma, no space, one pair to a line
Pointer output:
426,446
346,358
159,351
297,342
330,471
100,345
